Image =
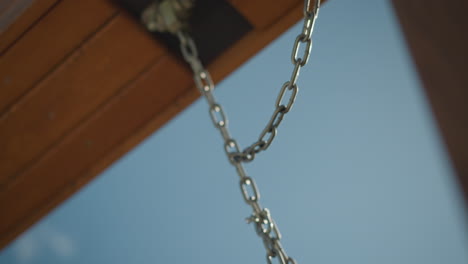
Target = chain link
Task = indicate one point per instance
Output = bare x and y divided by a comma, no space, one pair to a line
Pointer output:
264,224
305,37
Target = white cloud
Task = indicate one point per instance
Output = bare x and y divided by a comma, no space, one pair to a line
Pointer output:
61,244
26,248
40,238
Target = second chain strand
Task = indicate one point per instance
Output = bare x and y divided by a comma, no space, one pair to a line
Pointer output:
264,224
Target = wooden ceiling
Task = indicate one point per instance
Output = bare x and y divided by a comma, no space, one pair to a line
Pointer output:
82,83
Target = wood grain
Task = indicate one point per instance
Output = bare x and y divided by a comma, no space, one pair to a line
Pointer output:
88,77
34,56
10,10
98,102
147,96
12,31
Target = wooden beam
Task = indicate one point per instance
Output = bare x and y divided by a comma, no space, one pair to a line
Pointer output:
83,93
70,93
90,141
67,28
437,36
10,32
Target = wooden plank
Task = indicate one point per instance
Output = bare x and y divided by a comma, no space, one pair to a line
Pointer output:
148,96
79,149
436,32
93,73
67,26
262,13
28,18
10,10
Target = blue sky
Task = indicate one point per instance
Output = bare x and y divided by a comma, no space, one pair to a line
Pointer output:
357,173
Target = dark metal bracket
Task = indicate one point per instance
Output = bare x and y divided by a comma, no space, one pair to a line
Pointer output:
213,24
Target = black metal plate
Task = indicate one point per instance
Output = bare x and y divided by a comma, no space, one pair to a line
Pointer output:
214,26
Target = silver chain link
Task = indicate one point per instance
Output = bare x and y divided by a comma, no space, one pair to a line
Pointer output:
264,224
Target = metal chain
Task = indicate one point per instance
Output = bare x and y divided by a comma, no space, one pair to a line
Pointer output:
264,224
